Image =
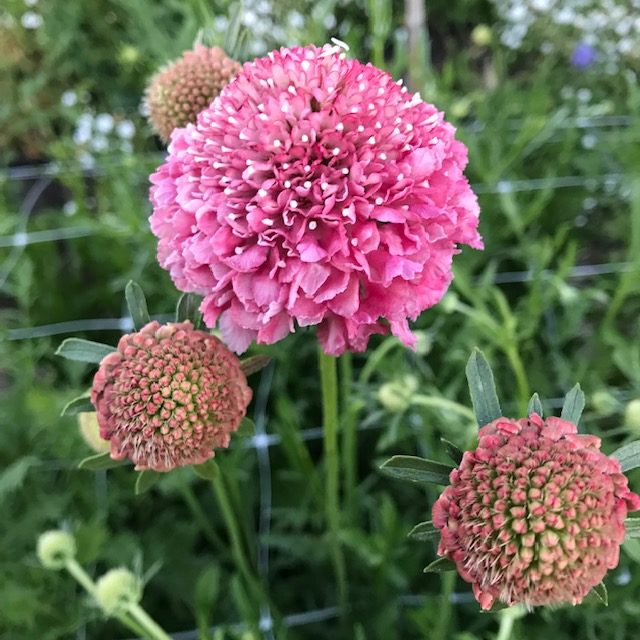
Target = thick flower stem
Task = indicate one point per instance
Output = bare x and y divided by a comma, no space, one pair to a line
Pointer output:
329,386
441,631
144,619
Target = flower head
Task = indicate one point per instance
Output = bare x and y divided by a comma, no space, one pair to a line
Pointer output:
583,56
169,396
179,91
117,590
314,190
535,514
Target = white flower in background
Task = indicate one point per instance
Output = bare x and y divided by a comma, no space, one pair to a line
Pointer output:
68,98
31,3
31,20
125,129
104,122
69,208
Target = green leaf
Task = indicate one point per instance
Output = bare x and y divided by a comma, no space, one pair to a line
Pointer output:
573,405
600,593
137,304
83,350
247,428
146,480
207,470
453,452
628,456
441,565
188,308
535,406
632,528
234,33
100,461
417,469
77,405
254,364
424,531
482,389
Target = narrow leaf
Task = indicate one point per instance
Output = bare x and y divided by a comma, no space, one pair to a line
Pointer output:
417,469
441,565
146,480
573,405
535,406
482,389
247,428
600,591
83,350
632,528
628,456
455,453
188,308
254,364
100,461
207,470
77,405
424,531
137,304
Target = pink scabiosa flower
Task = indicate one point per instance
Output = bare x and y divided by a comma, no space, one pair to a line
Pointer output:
534,515
179,91
169,396
314,190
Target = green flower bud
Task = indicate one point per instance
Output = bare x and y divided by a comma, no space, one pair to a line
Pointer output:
396,396
632,415
55,548
423,343
481,35
604,403
90,431
117,590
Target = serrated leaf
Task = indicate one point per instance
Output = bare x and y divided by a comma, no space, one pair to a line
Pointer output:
455,453
424,531
441,565
600,591
482,388
416,469
207,470
146,480
573,405
254,364
137,304
535,406
77,405
100,461
83,350
247,428
628,456
632,528
13,476
188,308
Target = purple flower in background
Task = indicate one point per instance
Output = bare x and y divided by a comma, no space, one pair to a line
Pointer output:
583,56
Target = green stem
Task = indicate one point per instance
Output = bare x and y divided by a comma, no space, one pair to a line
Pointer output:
443,403
329,386
350,433
154,630
237,547
444,613
200,517
507,619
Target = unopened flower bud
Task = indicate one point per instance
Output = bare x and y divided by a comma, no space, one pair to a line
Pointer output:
117,590
481,35
632,415
604,403
90,431
396,396
55,548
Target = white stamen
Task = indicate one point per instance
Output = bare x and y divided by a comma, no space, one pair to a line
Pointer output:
232,120
238,250
400,176
250,171
307,167
262,192
371,140
293,204
378,125
307,184
409,127
383,156
217,165
360,128
379,200
336,151
362,86
434,140
261,107
304,137
346,212
243,136
277,143
339,43
233,216
313,225
228,191
267,221
324,185
399,83
285,165
331,89
345,171
305,64
354,242
339,127
381,91
287,184
371,106
292,89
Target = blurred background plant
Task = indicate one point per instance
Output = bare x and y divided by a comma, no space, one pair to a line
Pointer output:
554,299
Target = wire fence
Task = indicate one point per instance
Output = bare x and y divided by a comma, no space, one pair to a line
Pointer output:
18,241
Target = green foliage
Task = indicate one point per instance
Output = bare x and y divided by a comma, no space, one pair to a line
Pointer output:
556,172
